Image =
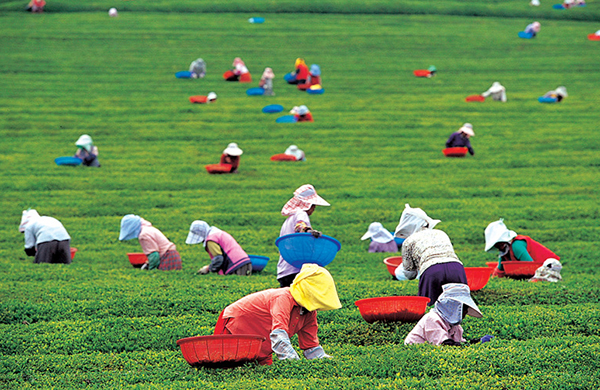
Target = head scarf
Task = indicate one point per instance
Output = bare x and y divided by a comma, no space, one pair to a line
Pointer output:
299,61
27,217
378,233
294,110
497,232
536,26
268,74
467,128
199,230
131,225
314,289
315,70
412,220
496,87
432,68
85,142
562,90
238,60
548,272
293,150
233,150
304,197
449,304
303,110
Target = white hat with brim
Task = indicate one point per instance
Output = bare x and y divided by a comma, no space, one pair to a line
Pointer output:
378,233
497,232
198,232
450,303
467,130
233,150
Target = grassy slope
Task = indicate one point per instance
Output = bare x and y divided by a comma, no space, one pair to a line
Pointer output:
375,145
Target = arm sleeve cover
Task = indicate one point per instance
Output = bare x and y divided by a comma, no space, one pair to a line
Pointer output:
282,346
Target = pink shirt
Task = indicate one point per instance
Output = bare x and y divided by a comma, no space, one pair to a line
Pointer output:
262,312
152,240
283,267
433,329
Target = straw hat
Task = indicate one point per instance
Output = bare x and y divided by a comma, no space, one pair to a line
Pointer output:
233,150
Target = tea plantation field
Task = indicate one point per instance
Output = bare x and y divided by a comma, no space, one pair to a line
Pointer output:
375,145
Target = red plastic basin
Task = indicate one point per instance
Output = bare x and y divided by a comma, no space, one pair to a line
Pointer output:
73,251
520,269
282,157
475,98
218,168
392,263
455,152
477,277
492,264
594,37
137,259
220,351
392,309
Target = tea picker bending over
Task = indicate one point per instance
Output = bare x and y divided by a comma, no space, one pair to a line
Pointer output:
226,256
441,326
280,313
162,254
45,238
427,252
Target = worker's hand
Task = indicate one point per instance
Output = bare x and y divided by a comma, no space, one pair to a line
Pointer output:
204,270
315,233
486,338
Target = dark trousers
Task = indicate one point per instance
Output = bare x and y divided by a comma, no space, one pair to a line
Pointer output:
434,277
53,252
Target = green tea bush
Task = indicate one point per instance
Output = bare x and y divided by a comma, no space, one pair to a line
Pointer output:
374,146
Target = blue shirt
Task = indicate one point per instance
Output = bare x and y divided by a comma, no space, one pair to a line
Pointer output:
44,229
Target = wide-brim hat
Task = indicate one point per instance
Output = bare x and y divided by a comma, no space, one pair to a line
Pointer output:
304,197
378,233
450,303
497,232
233,150
467,128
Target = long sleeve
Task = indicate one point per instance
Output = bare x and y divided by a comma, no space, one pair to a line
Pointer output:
519,248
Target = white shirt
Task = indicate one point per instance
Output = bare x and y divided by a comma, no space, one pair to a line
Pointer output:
283,267
44,229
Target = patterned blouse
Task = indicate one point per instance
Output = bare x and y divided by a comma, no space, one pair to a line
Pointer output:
425,248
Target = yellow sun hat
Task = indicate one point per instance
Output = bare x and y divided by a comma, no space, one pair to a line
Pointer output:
314,289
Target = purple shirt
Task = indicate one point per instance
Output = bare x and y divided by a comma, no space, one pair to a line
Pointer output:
390,246
457,140
283,267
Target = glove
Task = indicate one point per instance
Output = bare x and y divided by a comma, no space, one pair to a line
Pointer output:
204,270
316,353
216,263
486,338
282,346
315,233
153,261
402,274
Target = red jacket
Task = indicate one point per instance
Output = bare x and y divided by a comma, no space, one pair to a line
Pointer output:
302,72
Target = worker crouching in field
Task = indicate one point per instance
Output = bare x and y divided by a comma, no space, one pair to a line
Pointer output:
87,151
45,238
497,91
460,139
280,313
302,114
297,210
231,155
513,247
441,326
226,256
162,254
381,239
427,252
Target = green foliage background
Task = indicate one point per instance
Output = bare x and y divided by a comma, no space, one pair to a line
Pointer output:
375,145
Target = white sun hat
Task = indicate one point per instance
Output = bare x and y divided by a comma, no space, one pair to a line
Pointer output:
113,12
449,304
302,110
27,217
497,232
233,150
412,220
378,233
562,90
467,128
211,96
